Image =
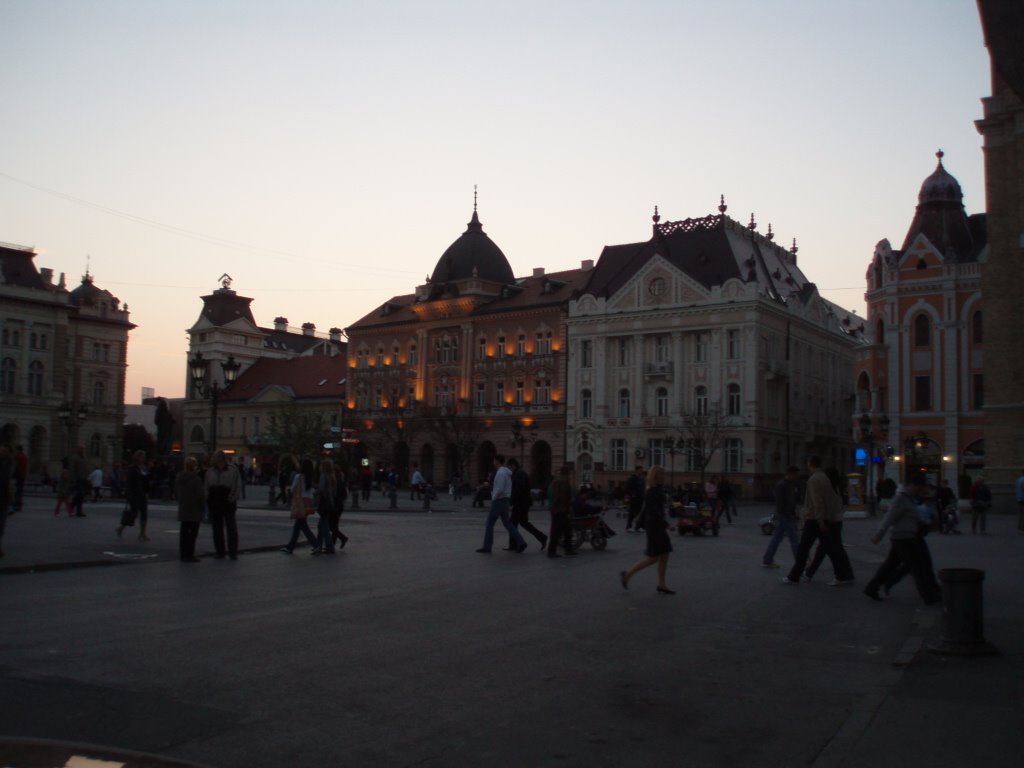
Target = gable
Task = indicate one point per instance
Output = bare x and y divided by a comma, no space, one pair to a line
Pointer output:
657,284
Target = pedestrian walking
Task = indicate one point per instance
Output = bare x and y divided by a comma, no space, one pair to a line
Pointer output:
981,502
416,483
339,509
65,490
7,489
191,497
80,479
821,505
501,493
1019,487
20,477
137,496
727,498
96,482
907,549
521,501
786,493
560,504
302,507
221,485
326,499
659,547
635,499
835,531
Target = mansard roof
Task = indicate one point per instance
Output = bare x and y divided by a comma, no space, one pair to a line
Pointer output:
302,377
224,306
710,250
17,267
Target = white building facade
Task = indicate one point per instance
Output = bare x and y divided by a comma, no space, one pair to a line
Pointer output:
708,321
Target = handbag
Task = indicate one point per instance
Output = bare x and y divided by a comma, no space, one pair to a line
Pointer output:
307,505
128,515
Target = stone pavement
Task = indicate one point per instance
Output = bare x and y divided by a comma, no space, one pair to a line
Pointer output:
452,658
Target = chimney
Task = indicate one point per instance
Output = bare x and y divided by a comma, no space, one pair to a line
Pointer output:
47,274
335,334
308,329
280,323
538,271
586,265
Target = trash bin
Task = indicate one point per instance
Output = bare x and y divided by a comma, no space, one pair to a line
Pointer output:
962,613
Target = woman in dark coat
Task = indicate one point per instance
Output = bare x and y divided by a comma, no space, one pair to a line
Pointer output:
656,526
137,496
191,500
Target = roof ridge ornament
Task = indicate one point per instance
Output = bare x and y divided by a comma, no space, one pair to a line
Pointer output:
722,207
753,224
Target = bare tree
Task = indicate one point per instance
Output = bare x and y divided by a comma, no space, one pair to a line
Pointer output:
703,434
455,426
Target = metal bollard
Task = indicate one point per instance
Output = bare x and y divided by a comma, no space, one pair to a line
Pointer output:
962,614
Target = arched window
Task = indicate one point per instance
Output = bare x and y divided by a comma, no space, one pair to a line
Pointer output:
197,435
977,329
95,446
733,391
661,397
922,331
8,368
700,401
586,404
624,403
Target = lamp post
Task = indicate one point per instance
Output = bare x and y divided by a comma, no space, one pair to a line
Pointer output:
672,448
867,436
198,367
521,434
71,417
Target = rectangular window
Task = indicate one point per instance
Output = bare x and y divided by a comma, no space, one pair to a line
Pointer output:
481,349
412,355
256,424
501,346
521,346
733,453
520,392
586,354
922,393
979,391
499,393
586,404
542,392
231,426
543,343
700,347
656,451
623,349
661,349
481,394
732,344
618,454
245,423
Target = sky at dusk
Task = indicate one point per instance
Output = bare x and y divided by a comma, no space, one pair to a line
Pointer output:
324,154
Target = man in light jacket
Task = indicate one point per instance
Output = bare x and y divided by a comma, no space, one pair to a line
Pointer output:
822,507
501,494
906,548
222,489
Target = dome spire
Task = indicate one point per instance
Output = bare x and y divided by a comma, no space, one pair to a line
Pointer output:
474,198
940,154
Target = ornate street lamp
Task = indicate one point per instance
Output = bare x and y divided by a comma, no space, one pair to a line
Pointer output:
867,436
72,418
198,367
521,435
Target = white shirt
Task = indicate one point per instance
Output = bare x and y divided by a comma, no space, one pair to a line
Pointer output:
96,478
502,488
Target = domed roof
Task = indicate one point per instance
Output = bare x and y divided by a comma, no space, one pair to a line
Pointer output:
940,187
88,295
474,254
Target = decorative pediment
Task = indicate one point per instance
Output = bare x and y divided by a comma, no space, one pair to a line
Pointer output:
657,284
274,393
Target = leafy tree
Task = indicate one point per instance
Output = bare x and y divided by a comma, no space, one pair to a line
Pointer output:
137,438
297,430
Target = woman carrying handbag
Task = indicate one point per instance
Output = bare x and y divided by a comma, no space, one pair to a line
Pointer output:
302,506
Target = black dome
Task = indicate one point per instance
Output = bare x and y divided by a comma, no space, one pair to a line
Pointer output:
940,187
474,254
